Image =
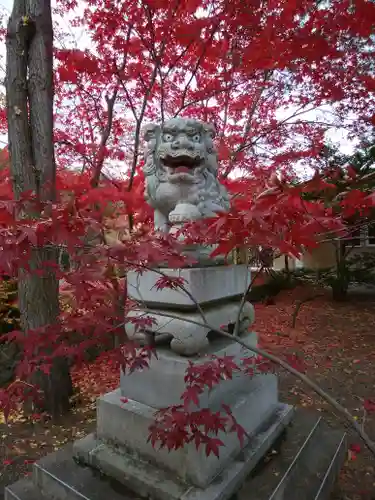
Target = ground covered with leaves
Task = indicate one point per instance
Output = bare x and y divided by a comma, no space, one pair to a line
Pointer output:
335,342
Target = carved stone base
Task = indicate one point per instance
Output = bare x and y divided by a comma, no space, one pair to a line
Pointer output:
304,463
121,450
162,384
123,427
150,480
216,290
189,338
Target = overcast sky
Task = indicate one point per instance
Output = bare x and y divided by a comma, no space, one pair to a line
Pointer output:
7,4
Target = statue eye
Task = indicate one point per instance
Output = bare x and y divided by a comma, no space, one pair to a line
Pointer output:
196,138
167,137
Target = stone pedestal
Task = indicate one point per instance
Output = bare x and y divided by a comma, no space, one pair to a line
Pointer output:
207,285
163,383
214,291
120,447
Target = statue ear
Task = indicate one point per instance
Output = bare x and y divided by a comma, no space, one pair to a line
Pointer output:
210,130
150,131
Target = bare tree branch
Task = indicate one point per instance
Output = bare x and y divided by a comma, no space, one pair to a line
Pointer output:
247,129
104,138
236,331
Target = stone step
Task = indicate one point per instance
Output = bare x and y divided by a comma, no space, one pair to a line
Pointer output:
305,465
59,477
24,489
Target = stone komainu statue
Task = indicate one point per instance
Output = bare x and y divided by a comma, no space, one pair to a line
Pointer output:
181,172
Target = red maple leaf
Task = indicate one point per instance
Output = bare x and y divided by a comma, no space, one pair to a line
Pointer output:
355,448
369,405
213,446
172,282
191,395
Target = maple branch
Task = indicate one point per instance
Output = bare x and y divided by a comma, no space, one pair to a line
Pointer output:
305,379
117,72
90,161
299,304
246,132
310,383
91,97
243,301
226,105
178,58
196,68
104,138
268,130
127,95
148,90
162,94
334,239
316,122
363,180
225,118
298,112
138,129
347,233
213,93
156,57
106,130
266,77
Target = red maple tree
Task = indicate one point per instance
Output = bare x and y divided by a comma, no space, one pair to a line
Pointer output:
258,73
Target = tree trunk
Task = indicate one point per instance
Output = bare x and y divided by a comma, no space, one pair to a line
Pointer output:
29,86
339,290
339,293
286,265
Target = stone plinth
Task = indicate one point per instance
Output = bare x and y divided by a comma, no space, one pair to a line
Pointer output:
163,383
121,448
304,464
188,335
213,298
123,428
151,481
127,426
206,284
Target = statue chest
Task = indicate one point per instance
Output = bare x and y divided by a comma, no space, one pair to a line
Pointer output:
168,195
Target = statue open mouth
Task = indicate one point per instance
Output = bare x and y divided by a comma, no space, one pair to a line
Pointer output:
181,164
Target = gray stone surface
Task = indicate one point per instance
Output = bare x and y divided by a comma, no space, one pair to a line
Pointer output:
128,426
24,489
304,466
162,384
59,477
152,481
188,337
252,401
205,284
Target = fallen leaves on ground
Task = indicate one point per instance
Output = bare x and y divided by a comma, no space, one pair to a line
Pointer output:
337,342
24,441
